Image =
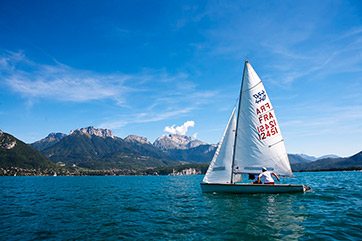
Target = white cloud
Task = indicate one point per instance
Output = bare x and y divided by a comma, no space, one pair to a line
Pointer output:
59,81
122,121
149,96
64,83
180,130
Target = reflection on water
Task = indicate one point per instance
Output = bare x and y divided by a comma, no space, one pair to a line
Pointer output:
257,215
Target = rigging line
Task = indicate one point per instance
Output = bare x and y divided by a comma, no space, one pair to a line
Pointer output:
237,124
236,102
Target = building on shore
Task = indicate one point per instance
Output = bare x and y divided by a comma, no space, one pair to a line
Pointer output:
188,171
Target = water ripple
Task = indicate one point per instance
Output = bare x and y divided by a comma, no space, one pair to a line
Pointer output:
173,208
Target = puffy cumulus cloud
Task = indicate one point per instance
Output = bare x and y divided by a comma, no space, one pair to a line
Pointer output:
180,130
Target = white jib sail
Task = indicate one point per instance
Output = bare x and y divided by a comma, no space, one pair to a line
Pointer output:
259,142
220,169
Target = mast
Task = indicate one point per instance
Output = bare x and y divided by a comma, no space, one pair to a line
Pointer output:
237,125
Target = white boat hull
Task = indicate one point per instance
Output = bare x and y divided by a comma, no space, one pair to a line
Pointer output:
252,188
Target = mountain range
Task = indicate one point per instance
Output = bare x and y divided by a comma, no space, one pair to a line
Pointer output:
99,149
313,158
330,163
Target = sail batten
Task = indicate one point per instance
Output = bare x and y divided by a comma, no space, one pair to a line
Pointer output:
276,143
252,87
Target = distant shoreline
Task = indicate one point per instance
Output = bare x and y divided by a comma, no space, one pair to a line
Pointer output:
33,172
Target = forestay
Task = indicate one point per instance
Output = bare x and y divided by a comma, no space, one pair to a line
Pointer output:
220,169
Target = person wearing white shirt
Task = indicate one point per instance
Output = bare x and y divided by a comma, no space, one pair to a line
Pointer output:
266,177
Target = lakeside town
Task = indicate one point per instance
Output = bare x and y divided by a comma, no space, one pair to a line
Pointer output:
16,171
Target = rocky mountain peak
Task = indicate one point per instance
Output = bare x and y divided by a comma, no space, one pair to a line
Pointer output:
48,141
94,131
6,142
56,136
134,138
175,141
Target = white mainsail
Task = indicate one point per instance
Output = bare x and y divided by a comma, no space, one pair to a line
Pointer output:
259,142
252,138
220,169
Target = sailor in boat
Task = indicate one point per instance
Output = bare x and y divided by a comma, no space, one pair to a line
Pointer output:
266,177
254,178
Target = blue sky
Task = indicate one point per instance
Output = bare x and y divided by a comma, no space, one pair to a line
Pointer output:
154,67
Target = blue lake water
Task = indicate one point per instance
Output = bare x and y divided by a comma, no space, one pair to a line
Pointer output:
173,208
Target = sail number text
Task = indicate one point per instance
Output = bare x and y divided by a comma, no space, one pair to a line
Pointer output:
268,125
267,130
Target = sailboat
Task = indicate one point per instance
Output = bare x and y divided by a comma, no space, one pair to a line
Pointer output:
252,140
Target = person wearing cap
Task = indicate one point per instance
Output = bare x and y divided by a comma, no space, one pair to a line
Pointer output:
266,177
